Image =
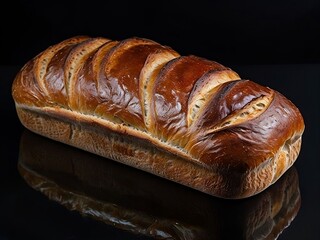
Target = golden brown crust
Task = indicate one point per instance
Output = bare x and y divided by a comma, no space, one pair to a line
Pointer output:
204,88
119,80
170,96
192,107
88,100
148,75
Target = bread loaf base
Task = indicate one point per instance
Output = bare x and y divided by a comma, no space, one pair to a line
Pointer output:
143,203
88,134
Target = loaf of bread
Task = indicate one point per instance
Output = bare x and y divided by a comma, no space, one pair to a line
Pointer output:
142,203
229,137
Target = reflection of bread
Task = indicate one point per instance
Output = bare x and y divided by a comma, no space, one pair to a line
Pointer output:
142,203
234,137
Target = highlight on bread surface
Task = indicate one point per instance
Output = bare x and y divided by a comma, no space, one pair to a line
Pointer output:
244,134
141,203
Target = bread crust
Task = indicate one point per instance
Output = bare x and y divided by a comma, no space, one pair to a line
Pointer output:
137,150
239,136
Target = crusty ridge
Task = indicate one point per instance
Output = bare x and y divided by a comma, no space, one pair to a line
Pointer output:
44,58
75,60
149,72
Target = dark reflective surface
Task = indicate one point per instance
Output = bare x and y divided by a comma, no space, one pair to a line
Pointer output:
41,199
144,204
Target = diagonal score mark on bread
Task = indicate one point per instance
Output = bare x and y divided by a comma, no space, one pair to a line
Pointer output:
121,48
118,81
172,89
251,110
42,61
74,62
98,58
149,72
205,88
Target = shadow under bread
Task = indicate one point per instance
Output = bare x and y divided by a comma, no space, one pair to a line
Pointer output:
142,203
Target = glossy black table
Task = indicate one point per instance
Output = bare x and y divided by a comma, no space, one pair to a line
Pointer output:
148,207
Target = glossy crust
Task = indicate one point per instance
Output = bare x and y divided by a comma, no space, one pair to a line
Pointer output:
235,135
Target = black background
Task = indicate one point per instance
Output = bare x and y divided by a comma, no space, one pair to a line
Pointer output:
275,43
230,32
